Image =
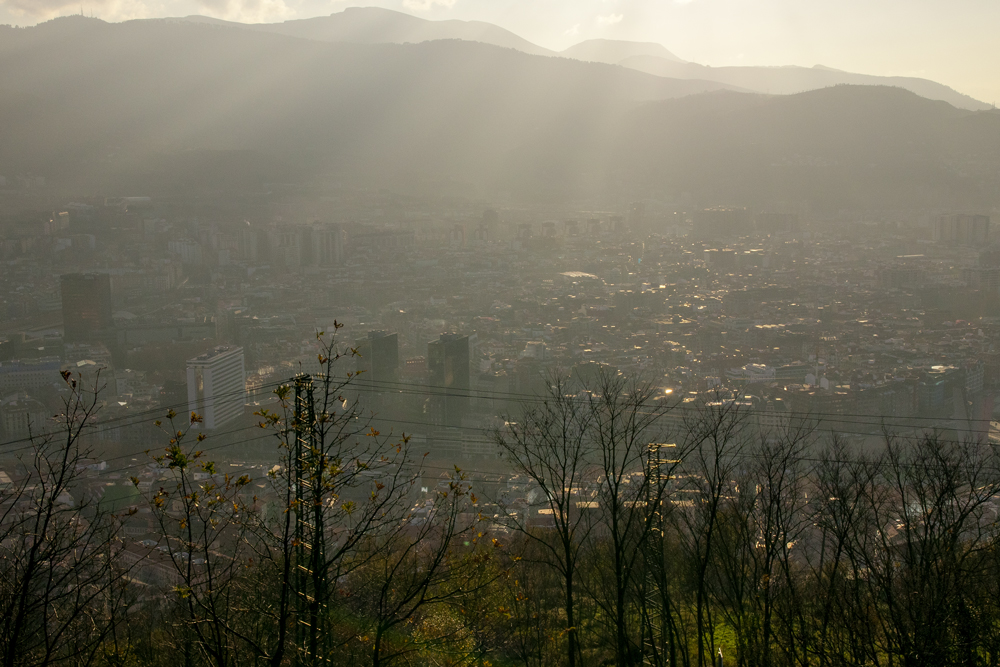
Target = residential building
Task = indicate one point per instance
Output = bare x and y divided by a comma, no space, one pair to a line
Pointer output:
216,385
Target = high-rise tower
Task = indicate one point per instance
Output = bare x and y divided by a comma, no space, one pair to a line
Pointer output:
216,383
448,366
378,363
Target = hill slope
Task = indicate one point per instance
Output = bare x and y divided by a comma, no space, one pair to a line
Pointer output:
162,107
615,51
790,80
839,147
75,87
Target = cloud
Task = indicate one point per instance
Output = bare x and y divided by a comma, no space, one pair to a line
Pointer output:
610,19
42,8
427,5
248,11
110,10
573,30
121,10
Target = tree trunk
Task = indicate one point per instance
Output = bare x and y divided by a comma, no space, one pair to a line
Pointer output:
571,636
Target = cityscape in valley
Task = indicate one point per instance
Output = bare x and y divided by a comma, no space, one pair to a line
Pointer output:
369,339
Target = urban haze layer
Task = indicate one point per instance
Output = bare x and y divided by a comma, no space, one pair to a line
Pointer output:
359,341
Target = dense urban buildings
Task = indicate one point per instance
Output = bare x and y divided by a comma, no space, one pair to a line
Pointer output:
452,317
890,315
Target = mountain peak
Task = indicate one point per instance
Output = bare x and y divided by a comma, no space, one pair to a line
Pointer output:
375,11
376,25
72,22
614,51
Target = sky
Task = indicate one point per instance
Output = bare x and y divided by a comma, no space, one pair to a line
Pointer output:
950,42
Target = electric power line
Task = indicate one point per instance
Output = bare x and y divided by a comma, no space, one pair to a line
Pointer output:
435,390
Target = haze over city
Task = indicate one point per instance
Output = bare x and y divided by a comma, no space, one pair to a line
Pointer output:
493,332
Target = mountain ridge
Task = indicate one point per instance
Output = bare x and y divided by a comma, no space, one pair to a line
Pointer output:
790,79
614,51
377,25
164,108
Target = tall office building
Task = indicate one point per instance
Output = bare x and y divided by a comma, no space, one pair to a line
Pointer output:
448,366
246,243
379,357
378,363
216,384
86,306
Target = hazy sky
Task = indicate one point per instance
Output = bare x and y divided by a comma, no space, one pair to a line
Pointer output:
954,43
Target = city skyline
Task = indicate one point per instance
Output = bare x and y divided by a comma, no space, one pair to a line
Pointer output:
406,336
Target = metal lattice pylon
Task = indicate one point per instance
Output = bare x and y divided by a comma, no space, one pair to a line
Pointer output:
656,633
309,579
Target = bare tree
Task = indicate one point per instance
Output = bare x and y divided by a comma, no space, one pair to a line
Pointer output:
204,536
413,576
61,595
339,483
761,523
843,623
513,616
624,417
931,526
548,445
343,482
715,439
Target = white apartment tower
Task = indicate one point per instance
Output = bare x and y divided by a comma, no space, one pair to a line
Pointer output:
328,244
216,384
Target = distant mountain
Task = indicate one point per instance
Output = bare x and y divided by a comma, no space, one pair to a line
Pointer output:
373,25
97,103
164,107
614,52
789,80
831,149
